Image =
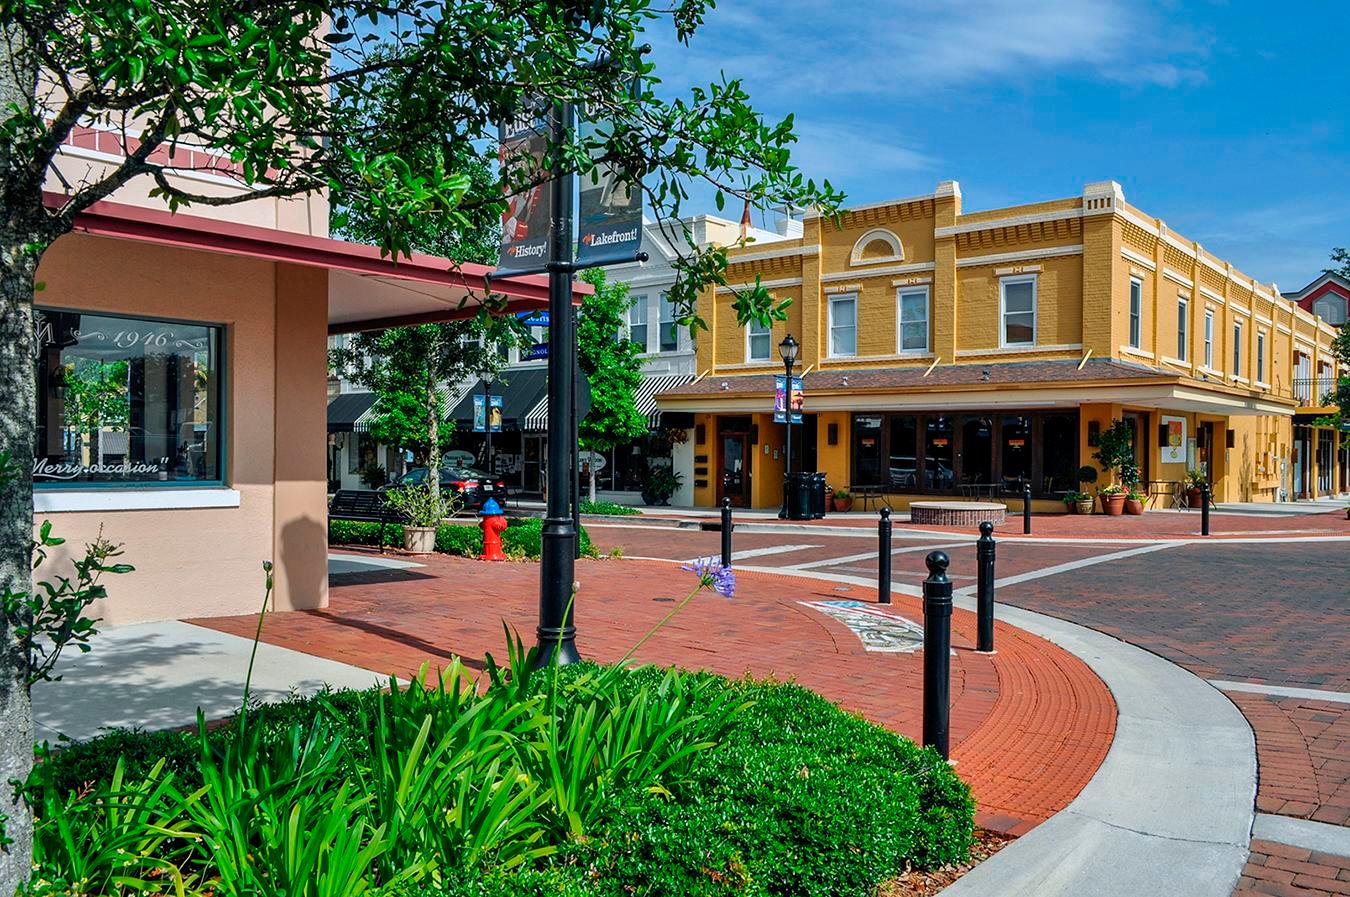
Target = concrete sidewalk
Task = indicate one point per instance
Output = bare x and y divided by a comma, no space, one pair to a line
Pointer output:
156,675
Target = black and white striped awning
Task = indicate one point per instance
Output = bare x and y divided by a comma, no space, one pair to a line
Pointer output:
644,397
450,395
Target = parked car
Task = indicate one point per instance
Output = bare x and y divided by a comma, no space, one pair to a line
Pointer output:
472,485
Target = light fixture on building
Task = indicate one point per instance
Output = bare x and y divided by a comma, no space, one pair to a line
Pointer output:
984,375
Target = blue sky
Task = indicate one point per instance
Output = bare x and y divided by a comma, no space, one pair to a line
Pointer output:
1229,120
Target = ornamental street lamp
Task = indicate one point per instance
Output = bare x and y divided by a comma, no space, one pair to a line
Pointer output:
787,350
488,378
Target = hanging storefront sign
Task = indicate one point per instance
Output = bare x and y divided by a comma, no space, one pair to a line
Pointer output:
1174,450
609,223
782,401
535,352
533,318
487,414
529,209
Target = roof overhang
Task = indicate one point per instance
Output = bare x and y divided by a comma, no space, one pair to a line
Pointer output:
366,289
1163,396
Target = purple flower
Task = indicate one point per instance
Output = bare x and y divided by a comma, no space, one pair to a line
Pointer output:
712,575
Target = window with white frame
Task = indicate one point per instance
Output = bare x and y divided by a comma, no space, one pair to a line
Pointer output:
1237,348
1209,338
637,322
843,326
913,312
1183,328
1136,310
670,330
1260,370
758,342
1332,308
1018,305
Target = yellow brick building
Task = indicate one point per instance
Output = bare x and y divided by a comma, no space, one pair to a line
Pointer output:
953,353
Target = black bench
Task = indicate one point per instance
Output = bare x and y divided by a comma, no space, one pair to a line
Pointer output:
363,506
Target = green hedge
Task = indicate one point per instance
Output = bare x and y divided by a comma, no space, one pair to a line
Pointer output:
607,509
523,536
799,799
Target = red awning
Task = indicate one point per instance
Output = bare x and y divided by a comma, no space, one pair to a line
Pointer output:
366,291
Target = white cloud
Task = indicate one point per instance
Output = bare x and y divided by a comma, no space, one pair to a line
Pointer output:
847,152
910,48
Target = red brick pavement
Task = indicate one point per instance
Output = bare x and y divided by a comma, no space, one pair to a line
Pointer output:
1304,748
1030,724
1283,871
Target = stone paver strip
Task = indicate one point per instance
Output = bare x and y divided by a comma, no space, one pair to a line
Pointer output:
1281,870
1030,724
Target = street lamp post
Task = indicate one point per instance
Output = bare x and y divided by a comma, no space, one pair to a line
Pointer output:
787,350
488,378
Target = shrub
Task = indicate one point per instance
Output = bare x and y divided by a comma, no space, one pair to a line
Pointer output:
644,781
525,535
355,532
607,509
459,539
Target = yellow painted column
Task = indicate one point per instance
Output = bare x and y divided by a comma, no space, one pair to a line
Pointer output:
947,210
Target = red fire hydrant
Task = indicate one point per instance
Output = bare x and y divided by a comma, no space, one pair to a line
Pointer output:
493,524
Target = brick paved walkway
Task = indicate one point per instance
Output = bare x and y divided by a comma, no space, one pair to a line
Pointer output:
1284,871
1030,724
1304,749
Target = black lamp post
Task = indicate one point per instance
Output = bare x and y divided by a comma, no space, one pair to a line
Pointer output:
787,350
488,378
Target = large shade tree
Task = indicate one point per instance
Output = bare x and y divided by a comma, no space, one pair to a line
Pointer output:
275,85
613,368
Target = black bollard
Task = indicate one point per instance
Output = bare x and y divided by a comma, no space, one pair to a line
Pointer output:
937,649
1204,509
726,532
984,589
1026,509
884,557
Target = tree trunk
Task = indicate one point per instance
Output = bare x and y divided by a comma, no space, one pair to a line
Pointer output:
591,468
17,425
20,211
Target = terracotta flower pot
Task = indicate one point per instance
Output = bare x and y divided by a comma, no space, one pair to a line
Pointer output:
1113,505
1193,496
1084,506
1134,506
842,505
419,539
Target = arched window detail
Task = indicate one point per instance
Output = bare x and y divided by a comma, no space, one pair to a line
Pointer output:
876,246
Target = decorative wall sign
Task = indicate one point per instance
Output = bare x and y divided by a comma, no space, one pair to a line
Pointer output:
1174,450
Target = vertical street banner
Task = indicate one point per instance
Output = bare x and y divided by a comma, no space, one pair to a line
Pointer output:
487,413
782,401
528,215
609,220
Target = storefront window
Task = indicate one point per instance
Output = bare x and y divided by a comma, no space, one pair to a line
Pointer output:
977,451
867,449
939,469
904,452
1059,447
126,400
1015,451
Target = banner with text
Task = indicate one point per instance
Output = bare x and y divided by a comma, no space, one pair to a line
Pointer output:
609,224
782,401
528,215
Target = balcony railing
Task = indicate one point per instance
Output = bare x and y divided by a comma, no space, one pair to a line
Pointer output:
1315,391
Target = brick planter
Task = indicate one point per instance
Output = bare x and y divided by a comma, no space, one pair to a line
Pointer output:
956,513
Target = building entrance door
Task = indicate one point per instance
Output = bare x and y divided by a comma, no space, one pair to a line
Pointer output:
733,449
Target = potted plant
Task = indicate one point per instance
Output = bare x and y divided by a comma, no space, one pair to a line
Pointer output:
1083,501
1195,481
1134,502
1071,502
662,482
1112,498
422,511
842,500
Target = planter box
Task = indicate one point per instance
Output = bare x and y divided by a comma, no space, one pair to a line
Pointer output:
419,539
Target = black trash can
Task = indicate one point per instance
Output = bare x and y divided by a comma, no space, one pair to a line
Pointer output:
819,495
798,486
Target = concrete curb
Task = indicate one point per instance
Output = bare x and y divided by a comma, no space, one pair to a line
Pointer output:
1169,811
1304,833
